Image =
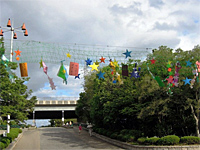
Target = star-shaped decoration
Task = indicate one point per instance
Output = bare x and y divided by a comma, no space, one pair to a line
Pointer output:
101,75
88,62
187,81
132,74
64,71
97,63
68,55
41,65
18,52
188,63
77,76
176,84
127,53
115,63
170,79
94,67
102,59
169,62
176,77
153,61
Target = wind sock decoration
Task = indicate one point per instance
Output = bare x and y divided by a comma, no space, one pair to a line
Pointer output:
63,73
53,87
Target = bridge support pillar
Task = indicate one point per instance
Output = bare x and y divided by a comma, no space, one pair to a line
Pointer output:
33,118
63,119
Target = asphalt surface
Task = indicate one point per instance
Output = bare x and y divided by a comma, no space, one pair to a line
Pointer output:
58,138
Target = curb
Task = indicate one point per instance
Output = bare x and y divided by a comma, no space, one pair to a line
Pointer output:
14,142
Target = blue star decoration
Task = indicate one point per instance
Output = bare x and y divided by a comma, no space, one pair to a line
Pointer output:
114,81
128,54
187,81
188,63
101,75
88,61
77,76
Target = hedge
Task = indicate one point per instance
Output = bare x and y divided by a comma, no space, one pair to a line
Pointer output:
190,140
152,141
169,140
141,140
2,145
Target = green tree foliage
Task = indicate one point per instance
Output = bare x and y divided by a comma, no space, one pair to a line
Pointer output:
14,93
141,104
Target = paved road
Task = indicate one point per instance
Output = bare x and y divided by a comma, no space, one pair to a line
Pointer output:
60,139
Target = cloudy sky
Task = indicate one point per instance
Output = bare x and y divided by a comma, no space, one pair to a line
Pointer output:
127,23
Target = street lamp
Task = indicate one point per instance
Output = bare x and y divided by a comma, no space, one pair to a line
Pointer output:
13,34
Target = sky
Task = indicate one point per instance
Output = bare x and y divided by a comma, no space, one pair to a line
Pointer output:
127,23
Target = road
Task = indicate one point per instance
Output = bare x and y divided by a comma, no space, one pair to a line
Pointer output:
58,138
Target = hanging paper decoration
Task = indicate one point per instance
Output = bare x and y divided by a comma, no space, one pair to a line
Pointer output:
97,63
94,67
101,75
124,70
135,72
127,53
44,67
53,87
159,81
198,66
102,60
68,55
176,75
73,69
63,73
77,76
23,69
88,61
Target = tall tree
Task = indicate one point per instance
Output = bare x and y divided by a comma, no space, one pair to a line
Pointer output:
13,93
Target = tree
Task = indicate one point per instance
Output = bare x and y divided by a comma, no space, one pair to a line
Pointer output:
14,93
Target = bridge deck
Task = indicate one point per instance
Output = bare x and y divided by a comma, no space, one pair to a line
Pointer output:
55,102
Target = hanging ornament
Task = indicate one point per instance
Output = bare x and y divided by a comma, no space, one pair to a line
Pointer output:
23,69
127,53
63,73
73,69
101,75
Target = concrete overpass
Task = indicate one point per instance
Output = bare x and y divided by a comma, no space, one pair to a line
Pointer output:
54,109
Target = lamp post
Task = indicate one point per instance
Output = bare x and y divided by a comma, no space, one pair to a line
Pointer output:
13,36
13,33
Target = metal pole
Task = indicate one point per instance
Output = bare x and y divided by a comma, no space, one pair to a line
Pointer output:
33,118
11,44
8,124
63,119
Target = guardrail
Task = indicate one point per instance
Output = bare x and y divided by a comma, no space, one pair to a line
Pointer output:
55,102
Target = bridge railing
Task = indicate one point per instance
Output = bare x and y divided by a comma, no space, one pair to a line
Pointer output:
58,98
55,102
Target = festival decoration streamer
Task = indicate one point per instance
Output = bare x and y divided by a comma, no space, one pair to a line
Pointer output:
23,69
63,73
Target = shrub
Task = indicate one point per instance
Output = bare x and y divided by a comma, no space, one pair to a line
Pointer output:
152,140
108,134
131,138
2,145
141,140
124,131
5,140
113,136
190,140
169,140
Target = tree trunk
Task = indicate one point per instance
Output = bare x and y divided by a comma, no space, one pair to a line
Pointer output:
196,121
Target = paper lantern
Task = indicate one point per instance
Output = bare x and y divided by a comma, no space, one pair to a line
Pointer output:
73,69
23,69
124,70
